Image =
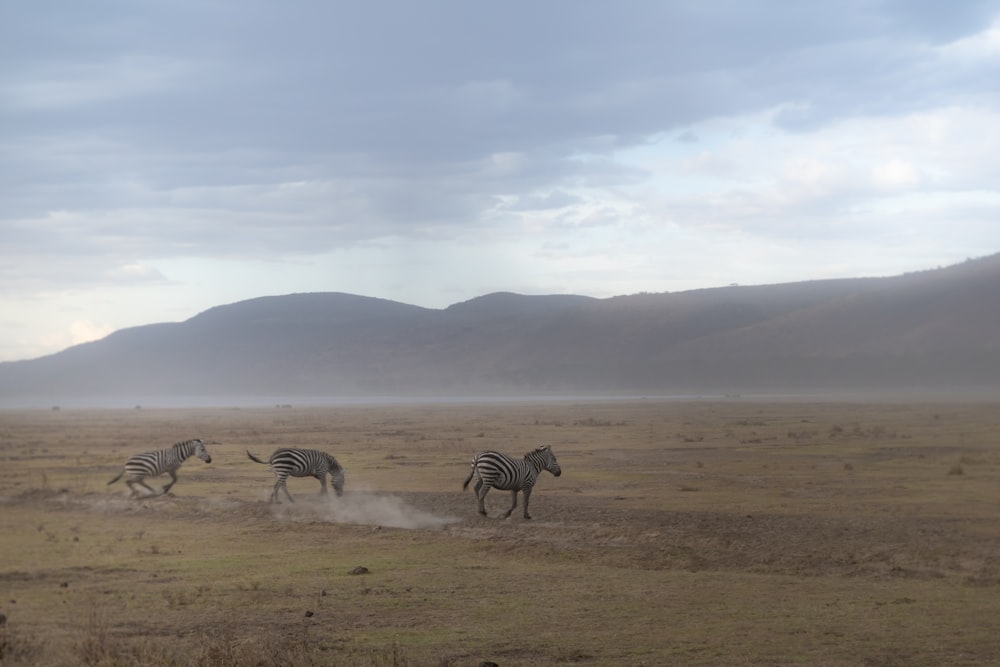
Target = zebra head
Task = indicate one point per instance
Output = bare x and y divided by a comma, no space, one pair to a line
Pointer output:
546,459
336,475
200,451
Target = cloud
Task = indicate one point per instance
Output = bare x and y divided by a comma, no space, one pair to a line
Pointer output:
136,138
135,272
896,174
83,332
72,86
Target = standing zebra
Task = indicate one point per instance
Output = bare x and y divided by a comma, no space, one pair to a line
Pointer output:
151,464
302,463
500,471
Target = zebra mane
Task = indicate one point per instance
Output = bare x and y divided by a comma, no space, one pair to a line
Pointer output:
186,443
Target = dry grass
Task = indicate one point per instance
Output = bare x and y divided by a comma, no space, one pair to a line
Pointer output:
686,533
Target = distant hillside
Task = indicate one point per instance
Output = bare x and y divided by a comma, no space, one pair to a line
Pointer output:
935,330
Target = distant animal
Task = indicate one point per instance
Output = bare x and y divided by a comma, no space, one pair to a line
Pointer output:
295,462
150,464
499,471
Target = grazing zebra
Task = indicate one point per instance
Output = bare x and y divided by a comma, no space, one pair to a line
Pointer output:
302,463
151,464
500,471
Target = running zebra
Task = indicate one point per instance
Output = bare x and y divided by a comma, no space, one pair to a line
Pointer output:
151,464
500,471
302,463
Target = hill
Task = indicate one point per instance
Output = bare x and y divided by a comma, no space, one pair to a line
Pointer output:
936,330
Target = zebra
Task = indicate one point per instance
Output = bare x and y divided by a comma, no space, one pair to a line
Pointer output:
302,463
151,464
500,471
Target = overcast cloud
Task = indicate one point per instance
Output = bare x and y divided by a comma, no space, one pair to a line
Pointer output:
160,158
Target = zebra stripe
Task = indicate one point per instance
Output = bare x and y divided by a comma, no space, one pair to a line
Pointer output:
151,464
499,471
295,462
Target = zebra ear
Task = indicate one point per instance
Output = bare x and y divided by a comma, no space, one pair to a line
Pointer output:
542,448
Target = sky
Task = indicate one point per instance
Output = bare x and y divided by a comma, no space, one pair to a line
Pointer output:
162,157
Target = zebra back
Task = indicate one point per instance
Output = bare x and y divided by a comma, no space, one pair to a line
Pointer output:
299,462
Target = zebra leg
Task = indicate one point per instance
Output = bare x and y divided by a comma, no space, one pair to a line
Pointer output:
513,503
481,491
173,480
527,494
283,483
322,482
142,483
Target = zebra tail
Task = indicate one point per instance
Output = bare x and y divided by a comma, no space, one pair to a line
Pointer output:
473,469
254,458
116,478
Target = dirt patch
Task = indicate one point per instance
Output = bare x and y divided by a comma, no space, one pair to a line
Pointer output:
805,545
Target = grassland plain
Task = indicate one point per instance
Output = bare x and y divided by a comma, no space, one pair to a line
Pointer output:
734,532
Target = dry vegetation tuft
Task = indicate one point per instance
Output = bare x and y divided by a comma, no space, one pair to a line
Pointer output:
685,533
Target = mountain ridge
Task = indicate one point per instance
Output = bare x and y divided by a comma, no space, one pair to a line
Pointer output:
928,330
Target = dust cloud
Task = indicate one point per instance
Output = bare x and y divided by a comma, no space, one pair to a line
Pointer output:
361,507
